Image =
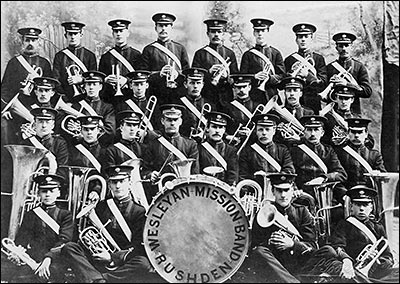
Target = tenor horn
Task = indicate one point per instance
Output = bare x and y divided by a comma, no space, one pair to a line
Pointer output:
249,193
369,255
74,70
8,247
25,162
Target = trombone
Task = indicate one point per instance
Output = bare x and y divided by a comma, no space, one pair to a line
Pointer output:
115,68
145,122
198,132
74,70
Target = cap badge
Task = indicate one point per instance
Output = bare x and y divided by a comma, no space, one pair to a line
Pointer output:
139,74
44,111
118,23
163,16
73,25
89,119
240,78
133,114
345,89
48,179
215,22
356,121
344,35
44,81
259,22
362,192
303,26
117,170
312,118
292,81
219,116
31,31
91,74
283,178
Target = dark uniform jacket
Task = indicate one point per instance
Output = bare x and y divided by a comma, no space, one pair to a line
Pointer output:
134,215
15,73
252,64
228,152
250,161
301,218
115,156
355,171
348,240
237,115
359,73
61,61
156,153
153,59
107,112
40,236
311,89
299,111
307,169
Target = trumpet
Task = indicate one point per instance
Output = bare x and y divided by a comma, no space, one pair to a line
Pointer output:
172,75
8,247
145,122
28,82
74,70
199,130
218,74
267,69
300,65
115,68
369,255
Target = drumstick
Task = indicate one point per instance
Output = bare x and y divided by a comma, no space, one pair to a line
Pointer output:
165,163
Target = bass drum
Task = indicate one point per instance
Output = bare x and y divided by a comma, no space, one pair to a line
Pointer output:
196,231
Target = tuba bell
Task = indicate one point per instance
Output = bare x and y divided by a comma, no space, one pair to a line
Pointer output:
25,162
181,169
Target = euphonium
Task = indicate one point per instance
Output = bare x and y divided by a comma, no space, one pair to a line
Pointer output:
199,130
365,259
251,200
181,169
25,162
74,70
115,68
28,82
218,74
145,122
8,247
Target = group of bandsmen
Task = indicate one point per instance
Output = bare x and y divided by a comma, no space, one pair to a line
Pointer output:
296,119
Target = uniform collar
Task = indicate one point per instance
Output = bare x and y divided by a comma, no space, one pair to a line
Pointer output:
245,100
215,45
261,47
312,146
73,48
305,52
283,210
30,55
47,207
163,42
142,99
175,136
90,145
124,47
44,138
90,99
123,201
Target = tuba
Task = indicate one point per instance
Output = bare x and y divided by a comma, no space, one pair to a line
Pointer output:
25,162
181,169
8,247
250,201
74,70
365,261
199,130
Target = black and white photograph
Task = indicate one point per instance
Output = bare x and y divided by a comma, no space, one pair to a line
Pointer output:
199,142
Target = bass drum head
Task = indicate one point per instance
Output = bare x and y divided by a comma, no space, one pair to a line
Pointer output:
196,231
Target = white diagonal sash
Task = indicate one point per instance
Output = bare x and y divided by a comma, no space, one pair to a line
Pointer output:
359,158
339,67
75,59
305,62
89,155
126,150
215,154
88,108
35,142
242,108
264,58
169,53
362,227
314,157
136,108
27,66
172,148
218,56
266,156
120,219
194,110
122,59
34,106
47,219
97,222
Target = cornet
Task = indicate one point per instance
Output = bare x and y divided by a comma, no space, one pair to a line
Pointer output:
199,130
8,247
172,75
267,69
28,82
298,66
115,68
218,74
74,70
369,255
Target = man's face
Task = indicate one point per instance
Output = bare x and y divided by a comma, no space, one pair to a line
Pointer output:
129,130
119,187
139,88
357,137
265,133
215,132
344,103
344,49
93,89
293,95
30,45
193,87
73,38
241,91
90,133
163,31
44,95
361,209
283,196
313,134
171,125
43,126
260,35
48,196
215,36
120,36
304,41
